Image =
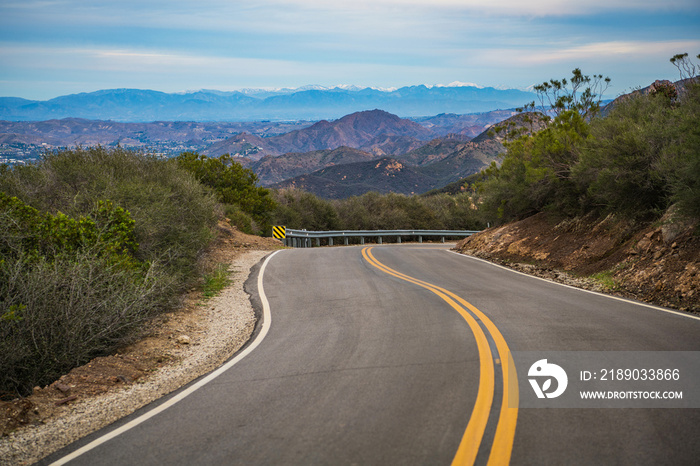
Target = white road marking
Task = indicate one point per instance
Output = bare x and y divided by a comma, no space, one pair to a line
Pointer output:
182,395
617,298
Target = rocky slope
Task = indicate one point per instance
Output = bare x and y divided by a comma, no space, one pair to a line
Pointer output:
354,179
658,263
272,169
356,130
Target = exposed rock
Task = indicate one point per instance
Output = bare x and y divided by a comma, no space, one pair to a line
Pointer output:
674,225
183,340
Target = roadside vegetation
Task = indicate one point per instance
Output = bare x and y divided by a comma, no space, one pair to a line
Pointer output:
374,211
635,162
94,243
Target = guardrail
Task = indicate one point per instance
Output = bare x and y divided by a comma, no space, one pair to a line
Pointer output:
304,238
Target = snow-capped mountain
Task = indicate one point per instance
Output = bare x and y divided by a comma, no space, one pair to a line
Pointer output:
305,103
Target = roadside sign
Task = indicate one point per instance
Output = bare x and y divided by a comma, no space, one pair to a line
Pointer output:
279,232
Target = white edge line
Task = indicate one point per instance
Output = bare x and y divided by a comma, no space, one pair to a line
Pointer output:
182,395
617,298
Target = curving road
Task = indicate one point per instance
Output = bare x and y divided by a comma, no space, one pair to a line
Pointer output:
396,355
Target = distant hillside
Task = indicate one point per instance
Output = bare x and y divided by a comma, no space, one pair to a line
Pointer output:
470,125
430,167
531,122
356,130
469,159
433,151
382,175
135,105
272,169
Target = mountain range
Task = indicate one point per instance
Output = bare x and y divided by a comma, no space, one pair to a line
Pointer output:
363,151
136,105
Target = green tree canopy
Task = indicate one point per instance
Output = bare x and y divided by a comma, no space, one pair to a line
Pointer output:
233,184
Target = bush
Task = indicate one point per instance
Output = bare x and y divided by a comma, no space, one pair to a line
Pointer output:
57,314
174,214
680,165
233,184
240,219
92,244
619,165
536,172
374,211
301,210
644,156
637,161
456,212
69,289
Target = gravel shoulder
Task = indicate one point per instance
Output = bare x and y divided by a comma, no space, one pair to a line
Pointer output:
175,350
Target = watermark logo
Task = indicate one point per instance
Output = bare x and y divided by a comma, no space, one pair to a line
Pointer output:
544,370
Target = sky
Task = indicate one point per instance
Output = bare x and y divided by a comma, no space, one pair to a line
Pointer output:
50,48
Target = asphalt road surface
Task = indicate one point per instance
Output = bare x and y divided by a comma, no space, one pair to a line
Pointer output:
399,355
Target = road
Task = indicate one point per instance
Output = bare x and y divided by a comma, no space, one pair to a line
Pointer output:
393,355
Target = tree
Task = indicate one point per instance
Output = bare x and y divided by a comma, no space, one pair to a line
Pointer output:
233,184
536,171
580,93
686,68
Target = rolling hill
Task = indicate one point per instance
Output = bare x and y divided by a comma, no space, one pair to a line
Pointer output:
355,130
272,169
383,175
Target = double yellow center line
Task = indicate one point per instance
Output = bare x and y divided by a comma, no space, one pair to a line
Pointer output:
502,445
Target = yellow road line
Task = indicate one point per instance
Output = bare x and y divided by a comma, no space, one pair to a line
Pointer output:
502,446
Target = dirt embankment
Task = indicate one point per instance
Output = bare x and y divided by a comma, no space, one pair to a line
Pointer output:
657,263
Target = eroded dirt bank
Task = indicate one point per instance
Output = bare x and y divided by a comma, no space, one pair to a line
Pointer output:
658,263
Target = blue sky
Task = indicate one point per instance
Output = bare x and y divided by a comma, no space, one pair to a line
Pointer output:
56,47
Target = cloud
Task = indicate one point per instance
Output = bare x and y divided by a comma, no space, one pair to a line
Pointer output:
106,67
499,7
597,51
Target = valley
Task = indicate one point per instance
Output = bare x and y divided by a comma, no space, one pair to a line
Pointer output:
360,152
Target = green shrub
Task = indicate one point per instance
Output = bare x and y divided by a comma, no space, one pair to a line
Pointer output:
635,162
240,219
302,210
216,280
536,172
680,165
619,165
373,211
69,289
57,314
233,184
174,214
93,243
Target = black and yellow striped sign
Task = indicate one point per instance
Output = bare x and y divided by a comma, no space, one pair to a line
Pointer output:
279,232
